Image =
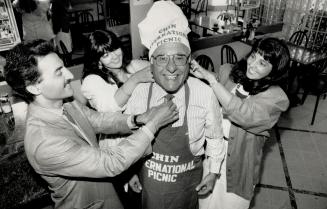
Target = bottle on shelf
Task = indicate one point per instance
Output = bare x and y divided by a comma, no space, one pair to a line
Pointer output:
7,112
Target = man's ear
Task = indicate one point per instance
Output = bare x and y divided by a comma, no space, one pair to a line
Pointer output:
34,89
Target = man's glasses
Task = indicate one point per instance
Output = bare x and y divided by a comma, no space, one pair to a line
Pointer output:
179,59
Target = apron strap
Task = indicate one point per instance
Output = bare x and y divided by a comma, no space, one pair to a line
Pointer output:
149,96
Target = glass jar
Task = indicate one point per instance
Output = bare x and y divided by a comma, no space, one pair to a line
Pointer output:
3,133
7,112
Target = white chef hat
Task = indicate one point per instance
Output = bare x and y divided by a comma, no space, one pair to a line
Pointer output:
164,23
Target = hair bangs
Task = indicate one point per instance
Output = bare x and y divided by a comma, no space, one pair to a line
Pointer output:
103,42
267,54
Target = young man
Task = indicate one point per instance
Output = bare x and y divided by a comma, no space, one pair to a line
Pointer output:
60,141
172,177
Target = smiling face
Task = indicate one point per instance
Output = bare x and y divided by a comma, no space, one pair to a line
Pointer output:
257,67
112,59
54,83
171,77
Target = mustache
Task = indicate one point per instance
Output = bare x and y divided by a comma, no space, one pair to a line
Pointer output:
67,81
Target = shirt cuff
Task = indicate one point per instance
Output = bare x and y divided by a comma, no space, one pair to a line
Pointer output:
147,131
115,105
214,165
130,123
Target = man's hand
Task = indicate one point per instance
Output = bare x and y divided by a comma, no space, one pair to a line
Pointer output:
207,184
134,184
159,116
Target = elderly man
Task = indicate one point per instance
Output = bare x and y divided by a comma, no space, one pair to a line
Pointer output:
172,176
60,141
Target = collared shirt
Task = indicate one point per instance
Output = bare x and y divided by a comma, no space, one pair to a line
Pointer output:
204,116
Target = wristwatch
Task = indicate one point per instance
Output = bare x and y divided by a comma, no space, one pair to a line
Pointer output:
137,123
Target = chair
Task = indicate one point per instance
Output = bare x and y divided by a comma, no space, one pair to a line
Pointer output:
202,6
125,39
66,56
227,55
112,22
186,8
314,81
84,27
86,22
299,38
205,62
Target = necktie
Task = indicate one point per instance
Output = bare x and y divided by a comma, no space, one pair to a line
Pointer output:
168,97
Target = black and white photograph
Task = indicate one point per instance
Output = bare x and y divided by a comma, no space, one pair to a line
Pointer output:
163,104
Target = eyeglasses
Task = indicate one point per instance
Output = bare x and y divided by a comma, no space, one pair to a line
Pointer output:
179,59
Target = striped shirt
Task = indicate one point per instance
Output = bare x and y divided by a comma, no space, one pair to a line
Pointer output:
204,116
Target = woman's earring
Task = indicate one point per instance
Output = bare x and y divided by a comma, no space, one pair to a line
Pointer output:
100,65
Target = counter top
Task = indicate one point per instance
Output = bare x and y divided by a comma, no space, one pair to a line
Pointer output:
221,39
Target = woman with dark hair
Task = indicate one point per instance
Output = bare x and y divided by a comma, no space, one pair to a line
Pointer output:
101,46
108,77
108,81
252,101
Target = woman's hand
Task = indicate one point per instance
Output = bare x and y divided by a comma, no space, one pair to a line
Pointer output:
143,76
223,95
125,91
201,73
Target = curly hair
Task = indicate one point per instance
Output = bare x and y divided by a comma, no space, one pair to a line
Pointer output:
276,53
99,43
21,69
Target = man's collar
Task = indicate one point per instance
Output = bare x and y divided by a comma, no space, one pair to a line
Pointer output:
160,93
44,113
